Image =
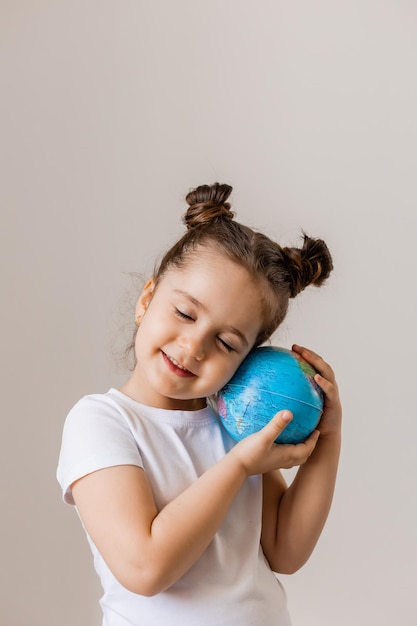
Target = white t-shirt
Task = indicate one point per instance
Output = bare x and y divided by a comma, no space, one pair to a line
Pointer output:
231,584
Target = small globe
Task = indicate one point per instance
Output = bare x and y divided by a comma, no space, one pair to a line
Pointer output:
269,380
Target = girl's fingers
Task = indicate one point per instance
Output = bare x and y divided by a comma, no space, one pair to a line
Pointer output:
277,424
316,361
258,452
327,386
296,455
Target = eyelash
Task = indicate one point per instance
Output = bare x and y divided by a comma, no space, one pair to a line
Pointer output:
226,345
184,316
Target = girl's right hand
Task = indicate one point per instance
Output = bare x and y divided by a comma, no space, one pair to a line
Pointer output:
258,454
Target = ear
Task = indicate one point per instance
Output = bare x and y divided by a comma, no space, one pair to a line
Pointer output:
144,300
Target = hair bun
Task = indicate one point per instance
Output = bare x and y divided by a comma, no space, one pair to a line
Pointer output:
208,203
309,265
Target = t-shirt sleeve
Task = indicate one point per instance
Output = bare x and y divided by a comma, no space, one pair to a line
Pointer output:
96,435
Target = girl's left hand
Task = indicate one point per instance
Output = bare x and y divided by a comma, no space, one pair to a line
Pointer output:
331,419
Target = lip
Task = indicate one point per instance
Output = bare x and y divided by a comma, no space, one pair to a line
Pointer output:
173,366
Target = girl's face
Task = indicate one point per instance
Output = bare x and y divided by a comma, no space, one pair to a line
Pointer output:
196,327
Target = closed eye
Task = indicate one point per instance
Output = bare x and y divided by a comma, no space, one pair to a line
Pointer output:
182,315
225,345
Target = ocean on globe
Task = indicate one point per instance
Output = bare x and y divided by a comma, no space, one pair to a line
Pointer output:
269,380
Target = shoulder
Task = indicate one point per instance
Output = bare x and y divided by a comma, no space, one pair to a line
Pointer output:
95,417
96,434
99,407
108,401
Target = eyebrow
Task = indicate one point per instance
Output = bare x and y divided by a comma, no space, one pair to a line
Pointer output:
190,298
200,305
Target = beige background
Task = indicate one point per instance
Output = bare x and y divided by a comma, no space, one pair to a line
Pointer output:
110,111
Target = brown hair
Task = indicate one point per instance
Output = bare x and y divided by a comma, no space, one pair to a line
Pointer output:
282,271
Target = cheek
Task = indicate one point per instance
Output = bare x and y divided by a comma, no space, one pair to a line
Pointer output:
144,337
224,372
231,368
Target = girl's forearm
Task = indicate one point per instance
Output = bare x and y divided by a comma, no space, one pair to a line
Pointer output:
305,506
184,528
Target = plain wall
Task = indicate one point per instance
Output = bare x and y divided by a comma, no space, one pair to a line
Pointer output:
110,111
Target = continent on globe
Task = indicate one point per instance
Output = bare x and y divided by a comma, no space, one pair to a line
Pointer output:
269,380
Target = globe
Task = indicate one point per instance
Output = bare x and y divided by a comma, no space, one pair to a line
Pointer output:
269,380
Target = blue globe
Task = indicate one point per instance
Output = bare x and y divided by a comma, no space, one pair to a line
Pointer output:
269,380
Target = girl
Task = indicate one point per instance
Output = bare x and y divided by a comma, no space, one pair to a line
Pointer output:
186,526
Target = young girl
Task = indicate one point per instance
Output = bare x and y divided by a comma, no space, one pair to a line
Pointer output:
186,526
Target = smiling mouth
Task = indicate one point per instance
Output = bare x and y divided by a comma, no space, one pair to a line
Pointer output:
176,367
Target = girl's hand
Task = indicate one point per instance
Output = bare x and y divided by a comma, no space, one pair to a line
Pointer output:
258,454
330,423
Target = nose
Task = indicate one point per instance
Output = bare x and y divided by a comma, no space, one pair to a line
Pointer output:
193,346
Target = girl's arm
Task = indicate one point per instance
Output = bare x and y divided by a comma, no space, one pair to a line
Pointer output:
294,517
148,550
